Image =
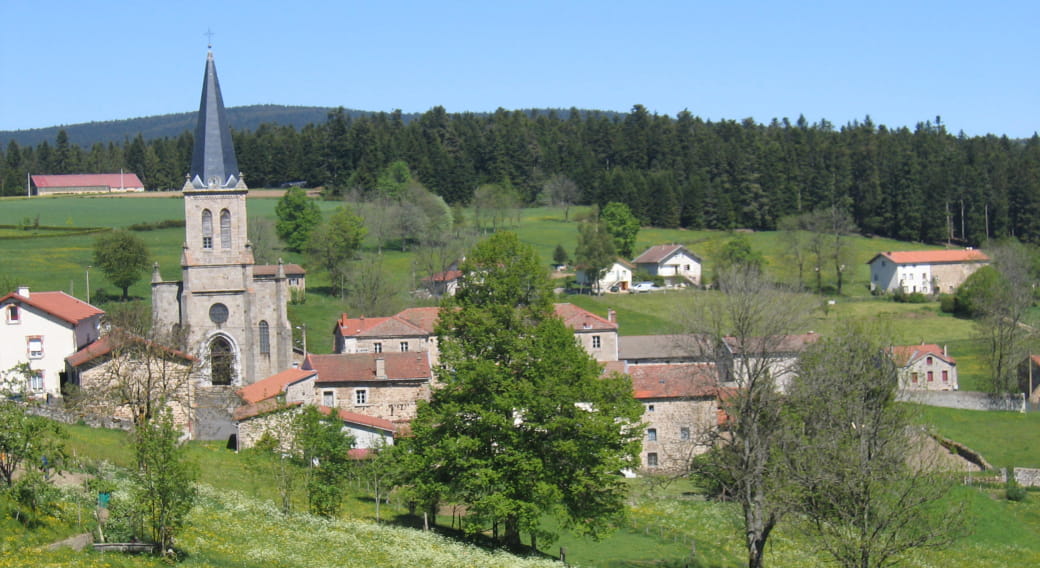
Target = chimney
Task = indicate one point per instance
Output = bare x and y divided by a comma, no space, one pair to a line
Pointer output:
611,315
23,291
380,368
945,354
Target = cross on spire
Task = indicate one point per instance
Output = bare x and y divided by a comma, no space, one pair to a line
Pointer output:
209,34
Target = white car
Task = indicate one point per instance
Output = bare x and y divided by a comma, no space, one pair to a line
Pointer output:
642,287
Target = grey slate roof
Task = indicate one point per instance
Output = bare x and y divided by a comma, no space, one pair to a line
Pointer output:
634,348
213,162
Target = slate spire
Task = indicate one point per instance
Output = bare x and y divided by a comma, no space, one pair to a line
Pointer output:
213,163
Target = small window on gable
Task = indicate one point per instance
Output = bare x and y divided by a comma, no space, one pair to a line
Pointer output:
35,346
207,229
404,346
225,229
360,396
929,361
14,315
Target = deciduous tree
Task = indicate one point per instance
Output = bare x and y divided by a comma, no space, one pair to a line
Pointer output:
123,257
324,449
622,225
164,480
298,215
524,426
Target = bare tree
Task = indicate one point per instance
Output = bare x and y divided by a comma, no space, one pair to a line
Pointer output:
561,191
857,471
136,371
1001,310
372,290
745,326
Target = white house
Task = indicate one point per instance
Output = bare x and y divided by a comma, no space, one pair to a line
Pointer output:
618,274
674,263
42,329
924,271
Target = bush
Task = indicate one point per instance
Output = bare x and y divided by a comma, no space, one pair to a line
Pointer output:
947,304
909,298
1014,491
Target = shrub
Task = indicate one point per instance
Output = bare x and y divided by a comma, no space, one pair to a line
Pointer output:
947,303
1014,491
909,298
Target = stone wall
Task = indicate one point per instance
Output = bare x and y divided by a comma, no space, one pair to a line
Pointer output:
65,416
1027,477
679,427
279,423
966,400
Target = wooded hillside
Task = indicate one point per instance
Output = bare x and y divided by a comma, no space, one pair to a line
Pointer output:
921,184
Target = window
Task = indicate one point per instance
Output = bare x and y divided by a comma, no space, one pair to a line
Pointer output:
225,229
649,408
595,342
404,346
328,398
929,361
651,434
207,229
360,396
221,361
36,381
377,347
931,376
265,338
946,376
684,433
35,345
651,459
913,378
13,315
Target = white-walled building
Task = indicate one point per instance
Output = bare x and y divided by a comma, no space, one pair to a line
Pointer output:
42,329
924,271
674,263
619,274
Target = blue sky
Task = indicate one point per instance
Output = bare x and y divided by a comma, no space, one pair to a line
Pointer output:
974,64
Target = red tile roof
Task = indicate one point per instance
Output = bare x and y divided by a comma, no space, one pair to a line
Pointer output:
580,319
660,253
933,256
57,304
266,406
392,326
104,345
116,181
361,367
274,385
272,269
674,381
422,318
904,355
446,276
362,419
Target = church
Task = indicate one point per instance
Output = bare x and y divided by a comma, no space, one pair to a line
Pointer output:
232,312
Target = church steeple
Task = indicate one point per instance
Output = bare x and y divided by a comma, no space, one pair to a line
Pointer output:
213,163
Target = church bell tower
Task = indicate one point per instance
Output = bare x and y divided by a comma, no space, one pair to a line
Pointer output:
235,323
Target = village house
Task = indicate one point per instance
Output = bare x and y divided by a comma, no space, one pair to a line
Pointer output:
122,182
924,271
121,373
442,284
778,356
925,367
675,263
41,329
616,278
680,405
665,349
382,385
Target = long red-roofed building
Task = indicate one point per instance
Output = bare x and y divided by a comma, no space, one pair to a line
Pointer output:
924,271
124,182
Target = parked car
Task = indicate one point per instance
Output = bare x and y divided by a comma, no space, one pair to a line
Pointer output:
642,287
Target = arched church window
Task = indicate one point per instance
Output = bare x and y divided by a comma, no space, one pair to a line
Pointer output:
265,338
221,361
207,229
225,229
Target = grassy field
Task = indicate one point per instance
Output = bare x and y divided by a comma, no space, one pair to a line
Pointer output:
236,525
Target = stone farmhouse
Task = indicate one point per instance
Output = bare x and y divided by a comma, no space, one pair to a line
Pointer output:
925,367
41,329
381,385
680,405
925,271
675,263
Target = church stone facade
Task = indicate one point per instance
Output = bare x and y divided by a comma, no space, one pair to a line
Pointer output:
235,323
